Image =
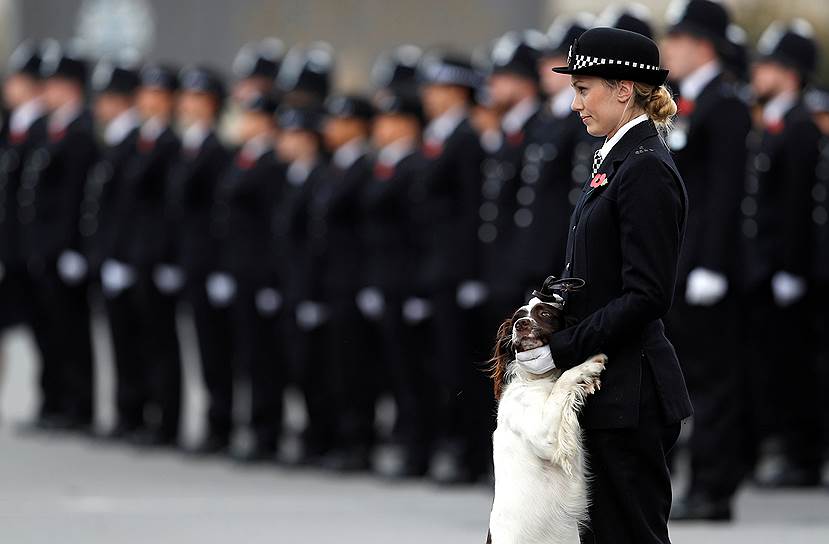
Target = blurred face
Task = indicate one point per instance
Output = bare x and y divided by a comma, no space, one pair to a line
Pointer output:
438,99
196,108
253,124
551,82
338,131
155,102
682,54
822,122
59,92
485,119
390,128
294,145
507,90
108,106
247,88
601,107
769,79
19,89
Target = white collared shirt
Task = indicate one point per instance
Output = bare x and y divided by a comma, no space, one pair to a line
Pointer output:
396,152
24,115
561,104
120,127
776,109
194,136
691,87
152,128
349,153
608,145
64,115
517,116
256,147
444,125
298,171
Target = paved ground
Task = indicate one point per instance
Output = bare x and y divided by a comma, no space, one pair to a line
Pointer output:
78,492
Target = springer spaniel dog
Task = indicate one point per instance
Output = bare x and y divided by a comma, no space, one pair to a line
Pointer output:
540,473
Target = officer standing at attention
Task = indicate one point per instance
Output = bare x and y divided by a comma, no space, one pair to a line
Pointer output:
776,228
49,200
708,140
193,181
24,128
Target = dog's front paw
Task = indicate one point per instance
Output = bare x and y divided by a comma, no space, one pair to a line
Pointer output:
586,376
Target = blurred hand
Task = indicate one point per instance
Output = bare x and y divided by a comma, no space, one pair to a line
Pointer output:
221,289
416,310
310,315
371,303
787,288
705,287
268,301
116,277
168,278
471,294
72,267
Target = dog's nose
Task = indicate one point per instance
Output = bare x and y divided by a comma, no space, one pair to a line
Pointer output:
523,325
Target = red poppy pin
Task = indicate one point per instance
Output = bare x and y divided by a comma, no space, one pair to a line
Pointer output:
598,180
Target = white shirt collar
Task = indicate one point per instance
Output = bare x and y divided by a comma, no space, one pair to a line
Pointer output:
691,87
152,128
608,145
444,125
517,116
349,153
194,136
561,104
64,115
298,171
24,115
491,140
120,127
256,147
777,108
396,152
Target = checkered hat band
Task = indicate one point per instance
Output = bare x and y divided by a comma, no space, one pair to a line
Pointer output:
584,61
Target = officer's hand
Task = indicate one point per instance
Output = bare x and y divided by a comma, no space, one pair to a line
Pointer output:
371,303
787,288
72,267
221,289
268,301
311,314
116,277
471,294
168,278
705,287
416,310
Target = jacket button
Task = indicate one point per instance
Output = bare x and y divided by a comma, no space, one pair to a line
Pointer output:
567,267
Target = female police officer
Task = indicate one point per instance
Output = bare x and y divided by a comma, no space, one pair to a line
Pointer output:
625,237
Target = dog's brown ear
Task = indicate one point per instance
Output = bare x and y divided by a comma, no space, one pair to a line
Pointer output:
501,355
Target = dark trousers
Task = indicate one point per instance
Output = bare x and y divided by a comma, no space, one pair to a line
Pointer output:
131,392
61,324
630,485
14,303
706,341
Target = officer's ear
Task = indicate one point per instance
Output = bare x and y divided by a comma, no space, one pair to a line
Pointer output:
624,90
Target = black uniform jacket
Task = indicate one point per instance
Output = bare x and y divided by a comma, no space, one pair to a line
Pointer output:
625,242
710,151
820,215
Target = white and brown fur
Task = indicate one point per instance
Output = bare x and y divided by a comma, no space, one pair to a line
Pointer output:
540,470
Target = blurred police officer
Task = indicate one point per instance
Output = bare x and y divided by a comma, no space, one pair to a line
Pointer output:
304,78
24,128
194,178
49,201
299,146
709,142
335,219
630,16
776,235
395,72
445,202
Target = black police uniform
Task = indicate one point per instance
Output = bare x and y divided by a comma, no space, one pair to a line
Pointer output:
49,197
625,241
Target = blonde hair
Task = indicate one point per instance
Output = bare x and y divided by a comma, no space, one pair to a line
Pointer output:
656,101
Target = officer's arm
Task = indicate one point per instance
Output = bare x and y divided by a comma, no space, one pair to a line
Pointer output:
651,214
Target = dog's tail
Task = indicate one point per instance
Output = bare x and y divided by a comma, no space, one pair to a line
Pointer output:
501,356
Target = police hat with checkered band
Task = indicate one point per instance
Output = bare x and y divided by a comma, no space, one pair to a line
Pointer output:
564,30
160,76
58,62
517,53
201,79
791,44
612,53
630,16
25,60
259,59
448,69
112,78
349,106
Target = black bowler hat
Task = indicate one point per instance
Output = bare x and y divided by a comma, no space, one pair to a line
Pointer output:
702,18
261,103
791,44
564,30
349,106
632,16
400,104
613,53
448,69
307,70
204,80
25,60
160,76
817,100
259,59
116,79
299,118
517,53
58,62
397,69
735,55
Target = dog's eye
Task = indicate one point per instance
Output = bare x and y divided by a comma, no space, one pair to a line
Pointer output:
546,315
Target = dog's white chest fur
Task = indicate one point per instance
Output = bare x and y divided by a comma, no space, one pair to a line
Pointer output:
540,484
